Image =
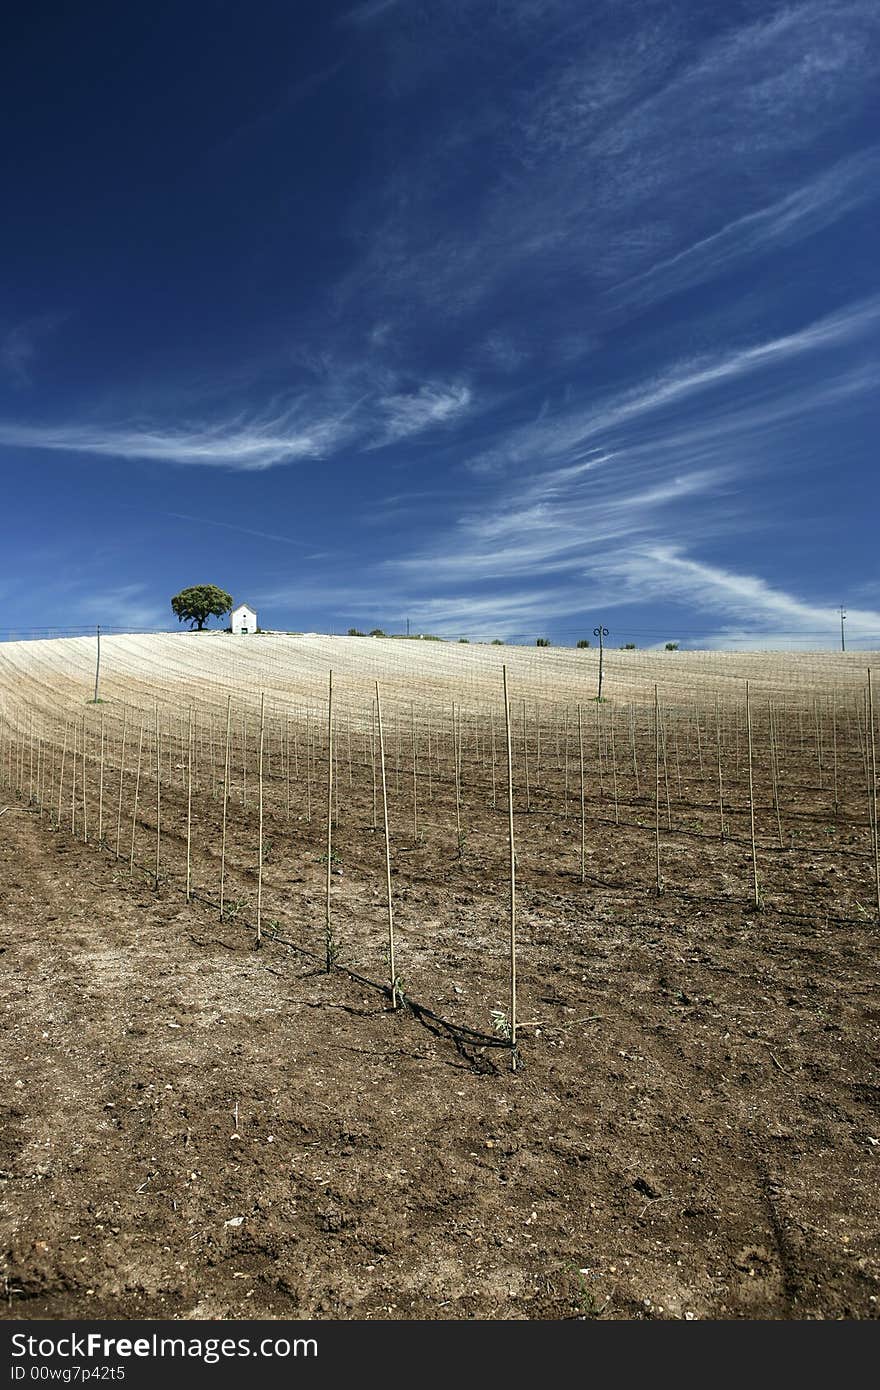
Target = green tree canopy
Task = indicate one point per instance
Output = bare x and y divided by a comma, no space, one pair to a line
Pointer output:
200,602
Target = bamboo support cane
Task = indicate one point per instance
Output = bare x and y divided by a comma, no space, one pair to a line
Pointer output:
158,800
415,789
373,768
512,1015
657,789
526,756
328,931
583,809
614,770
100,788
392,968
720,782
84,802
73,781
873,750
260,819
189,792
134,806
121,781
225,802
752,798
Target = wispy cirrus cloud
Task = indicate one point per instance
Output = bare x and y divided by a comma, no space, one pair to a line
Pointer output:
299,431
582,426
746,598
616,501
602,158
238,443
810,209
432,404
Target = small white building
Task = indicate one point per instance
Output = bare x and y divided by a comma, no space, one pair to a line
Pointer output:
244,619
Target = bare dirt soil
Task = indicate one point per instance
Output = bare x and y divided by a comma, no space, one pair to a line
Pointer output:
693,1131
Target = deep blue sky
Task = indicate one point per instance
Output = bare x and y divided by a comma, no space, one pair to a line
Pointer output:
502,317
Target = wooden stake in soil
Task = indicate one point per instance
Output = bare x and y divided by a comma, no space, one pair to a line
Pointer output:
456,759
665,771
632,731
309,766
158,800
286,760
243,758
537,743
512,1015
412,710
61,774
583,811
526,756
328,931
260,820
225,801
100,788
73,782
720,782
565,759
189,799
121,781
834,749
373,768
752,799
134,806
657,789
430,777
84,807
818,742
392,969
873,751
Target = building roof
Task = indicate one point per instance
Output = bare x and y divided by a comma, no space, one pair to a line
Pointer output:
244,605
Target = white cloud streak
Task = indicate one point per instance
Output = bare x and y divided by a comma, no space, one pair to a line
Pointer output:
251,443
580,428
809,210
751,600
432,404
235,444
603,160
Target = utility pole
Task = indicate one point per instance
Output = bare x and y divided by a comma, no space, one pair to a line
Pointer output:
601,633
407,627
842,620
98,665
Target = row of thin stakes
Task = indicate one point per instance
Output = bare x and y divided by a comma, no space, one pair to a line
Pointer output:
149,745
26,761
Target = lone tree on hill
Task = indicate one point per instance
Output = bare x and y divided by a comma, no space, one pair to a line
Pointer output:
200,602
